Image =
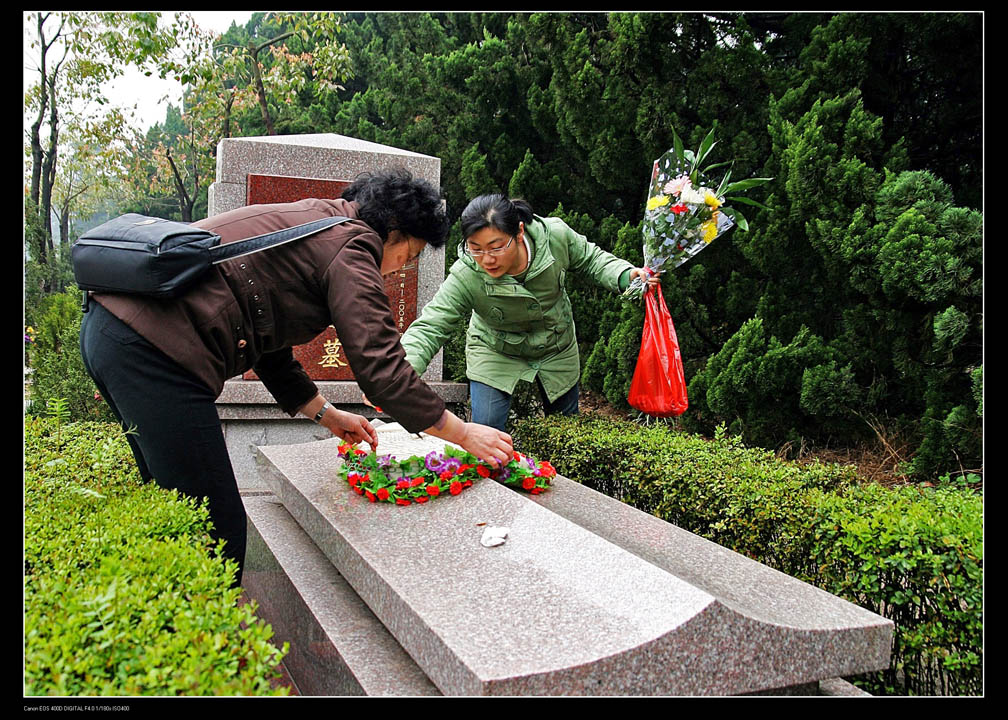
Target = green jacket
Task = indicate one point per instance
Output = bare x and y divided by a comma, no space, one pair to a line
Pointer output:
517,330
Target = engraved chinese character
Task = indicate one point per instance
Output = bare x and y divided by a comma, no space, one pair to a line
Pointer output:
331,359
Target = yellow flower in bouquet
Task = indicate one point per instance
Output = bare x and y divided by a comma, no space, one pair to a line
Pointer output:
709,230
658,201
712,201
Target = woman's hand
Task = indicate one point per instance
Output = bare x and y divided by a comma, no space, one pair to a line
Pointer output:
350,427
646,276
488,444
344,425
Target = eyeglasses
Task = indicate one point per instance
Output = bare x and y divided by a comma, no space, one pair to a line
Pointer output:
493,252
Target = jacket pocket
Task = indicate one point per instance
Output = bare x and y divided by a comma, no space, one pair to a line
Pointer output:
509,343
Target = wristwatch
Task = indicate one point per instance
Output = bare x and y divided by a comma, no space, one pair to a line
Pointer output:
322,411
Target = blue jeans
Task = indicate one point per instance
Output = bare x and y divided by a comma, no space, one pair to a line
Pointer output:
490,406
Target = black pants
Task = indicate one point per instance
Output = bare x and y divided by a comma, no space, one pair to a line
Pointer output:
175,432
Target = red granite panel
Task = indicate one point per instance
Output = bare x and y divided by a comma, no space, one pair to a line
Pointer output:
323,357
265,189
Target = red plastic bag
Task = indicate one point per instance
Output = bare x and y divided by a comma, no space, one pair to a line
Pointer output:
658,387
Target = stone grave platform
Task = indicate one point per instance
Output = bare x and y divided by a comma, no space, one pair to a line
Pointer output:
587,596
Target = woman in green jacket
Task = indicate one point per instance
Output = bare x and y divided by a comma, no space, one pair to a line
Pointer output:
509,284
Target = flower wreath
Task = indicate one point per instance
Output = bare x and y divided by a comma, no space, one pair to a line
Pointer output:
383,478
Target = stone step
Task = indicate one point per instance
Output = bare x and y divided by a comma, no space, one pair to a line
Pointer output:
587,596
337,645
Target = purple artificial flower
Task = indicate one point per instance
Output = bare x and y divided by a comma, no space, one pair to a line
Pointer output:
432,463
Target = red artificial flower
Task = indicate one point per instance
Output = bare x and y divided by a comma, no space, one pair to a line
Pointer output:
446,475
455,488
678,209
358,451
535,491
352,479
548,470
402,484
517,456
528,483
402,501
433,490
370,495
467,483
483,470
383,493
422,499
417,482
359,490
342,449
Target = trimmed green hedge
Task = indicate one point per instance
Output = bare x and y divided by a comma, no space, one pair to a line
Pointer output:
911,554
125,592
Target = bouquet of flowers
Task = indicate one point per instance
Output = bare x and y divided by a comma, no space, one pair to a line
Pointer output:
383,478
685,211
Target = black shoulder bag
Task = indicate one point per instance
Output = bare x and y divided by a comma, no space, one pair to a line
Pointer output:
161,258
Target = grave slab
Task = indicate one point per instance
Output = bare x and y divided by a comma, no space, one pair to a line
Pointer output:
586,597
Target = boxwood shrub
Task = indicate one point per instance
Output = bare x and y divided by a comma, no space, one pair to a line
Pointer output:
911,554
125,593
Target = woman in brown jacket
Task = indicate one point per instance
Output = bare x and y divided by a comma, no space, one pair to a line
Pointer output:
161,364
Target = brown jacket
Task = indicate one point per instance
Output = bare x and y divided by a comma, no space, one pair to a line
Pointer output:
249,312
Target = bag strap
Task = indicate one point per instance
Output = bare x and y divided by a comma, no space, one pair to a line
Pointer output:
238,248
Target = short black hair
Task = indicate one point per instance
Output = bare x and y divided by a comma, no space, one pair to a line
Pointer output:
495,210
395,200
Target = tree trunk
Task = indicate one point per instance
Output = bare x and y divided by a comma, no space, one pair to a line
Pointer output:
253,50
260,90
47,180
43,165
184,201
64,249
36,142
226,126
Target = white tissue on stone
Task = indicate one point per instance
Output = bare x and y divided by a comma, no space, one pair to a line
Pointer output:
493,536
